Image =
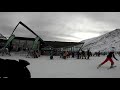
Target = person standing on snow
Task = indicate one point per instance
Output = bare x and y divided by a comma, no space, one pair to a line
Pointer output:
73,54
51,54
78,55
109,58
88,53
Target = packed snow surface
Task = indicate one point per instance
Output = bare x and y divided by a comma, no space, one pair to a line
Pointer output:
43,67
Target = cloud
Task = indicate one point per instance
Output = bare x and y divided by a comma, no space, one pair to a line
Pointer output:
111,18
6,30
60,25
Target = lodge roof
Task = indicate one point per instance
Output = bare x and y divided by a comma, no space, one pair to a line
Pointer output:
54,44
58,44
27,38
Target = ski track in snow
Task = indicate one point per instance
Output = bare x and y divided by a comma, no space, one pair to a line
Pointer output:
43,67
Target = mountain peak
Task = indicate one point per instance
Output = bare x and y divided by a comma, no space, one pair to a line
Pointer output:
104,42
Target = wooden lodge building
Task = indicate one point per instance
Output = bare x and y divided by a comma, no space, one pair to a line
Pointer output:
3,40
21,43
58,46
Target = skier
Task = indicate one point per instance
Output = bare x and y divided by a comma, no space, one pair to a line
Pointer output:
51,54
73,54
78,55
88,53
99,54
109,58
83,54
65,54
61,54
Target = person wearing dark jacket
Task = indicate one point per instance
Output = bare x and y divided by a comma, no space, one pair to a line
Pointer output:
78,55
88,54
73,54
109,58
51,54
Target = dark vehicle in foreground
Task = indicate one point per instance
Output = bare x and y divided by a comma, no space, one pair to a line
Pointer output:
14,69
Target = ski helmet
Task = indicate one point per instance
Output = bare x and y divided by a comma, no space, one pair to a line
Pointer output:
112,49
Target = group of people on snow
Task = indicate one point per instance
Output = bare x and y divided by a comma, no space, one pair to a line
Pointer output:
78,54
81,54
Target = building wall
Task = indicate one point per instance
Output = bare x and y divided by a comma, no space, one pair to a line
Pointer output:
2,43
23,44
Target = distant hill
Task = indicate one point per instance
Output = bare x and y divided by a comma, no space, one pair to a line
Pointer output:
2,37
104,42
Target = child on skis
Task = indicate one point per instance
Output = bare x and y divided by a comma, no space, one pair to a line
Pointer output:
109,58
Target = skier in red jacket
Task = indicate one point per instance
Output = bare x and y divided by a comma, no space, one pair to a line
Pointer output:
109,58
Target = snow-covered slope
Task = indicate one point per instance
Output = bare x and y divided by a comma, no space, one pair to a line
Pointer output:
2,37
104,42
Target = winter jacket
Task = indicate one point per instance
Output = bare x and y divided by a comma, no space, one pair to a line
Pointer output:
110,55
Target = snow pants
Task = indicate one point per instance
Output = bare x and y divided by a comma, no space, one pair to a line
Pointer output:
108,59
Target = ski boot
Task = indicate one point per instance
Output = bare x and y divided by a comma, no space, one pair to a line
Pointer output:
112,66
99,66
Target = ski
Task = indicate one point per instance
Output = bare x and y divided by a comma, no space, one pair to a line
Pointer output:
112,67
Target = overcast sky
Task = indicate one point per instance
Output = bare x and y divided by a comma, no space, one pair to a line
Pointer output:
60,26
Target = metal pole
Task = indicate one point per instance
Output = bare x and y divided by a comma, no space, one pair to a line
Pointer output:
15,28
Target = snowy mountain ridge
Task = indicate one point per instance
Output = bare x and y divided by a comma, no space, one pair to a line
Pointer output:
2,37
104,42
